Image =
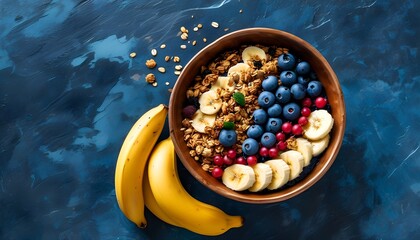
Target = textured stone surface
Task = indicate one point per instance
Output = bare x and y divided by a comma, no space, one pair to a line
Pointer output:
69,92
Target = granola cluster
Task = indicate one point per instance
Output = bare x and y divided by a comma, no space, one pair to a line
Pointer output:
203,146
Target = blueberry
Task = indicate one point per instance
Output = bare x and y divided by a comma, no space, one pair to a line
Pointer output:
303,80
275,110
314,88
283,94
255,132
298,91
259,116
291,111
266,99
273,125
268,139
303,68
250,146
288,78
270,83
286,61
227,137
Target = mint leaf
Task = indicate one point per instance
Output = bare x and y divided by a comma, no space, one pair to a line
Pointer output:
228,125
239,98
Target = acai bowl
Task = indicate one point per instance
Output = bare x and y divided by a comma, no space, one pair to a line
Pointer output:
257,116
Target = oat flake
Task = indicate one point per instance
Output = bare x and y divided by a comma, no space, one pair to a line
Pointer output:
154,52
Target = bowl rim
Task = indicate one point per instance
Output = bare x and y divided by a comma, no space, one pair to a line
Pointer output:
293,190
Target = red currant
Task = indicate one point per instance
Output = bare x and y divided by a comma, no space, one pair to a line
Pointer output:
251,160
303,121
231,154
306,102
273,152
217,172
227,160
297,129
264,152
240,160
280,136
320,102
305,111
218,160
286,127
282,145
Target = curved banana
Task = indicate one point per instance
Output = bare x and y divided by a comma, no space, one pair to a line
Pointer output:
176,202
151,203
131,163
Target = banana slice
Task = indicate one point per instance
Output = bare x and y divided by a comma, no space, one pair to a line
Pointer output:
210,102
319,146
224,83
320,123
295,161
253,53
263,176
238,177
305,148
239,68
281,173
200,121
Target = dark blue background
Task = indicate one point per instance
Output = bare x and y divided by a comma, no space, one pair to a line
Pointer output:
69,92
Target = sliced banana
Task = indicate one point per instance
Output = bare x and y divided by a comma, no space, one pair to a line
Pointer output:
320,123
305,148
281,173
319,146
263,176
239,69
210,102
238,177
200,121
223,82
295,161
253,53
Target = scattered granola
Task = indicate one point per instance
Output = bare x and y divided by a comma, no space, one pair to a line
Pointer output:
161,69
151,63
153,52
150,78
133,55
214,24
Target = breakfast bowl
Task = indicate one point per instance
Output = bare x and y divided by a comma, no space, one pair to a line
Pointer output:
220,54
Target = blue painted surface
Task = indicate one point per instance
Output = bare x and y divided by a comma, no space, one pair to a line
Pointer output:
69,93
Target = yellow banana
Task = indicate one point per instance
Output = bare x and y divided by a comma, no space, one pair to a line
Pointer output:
151,203
177,203
132,160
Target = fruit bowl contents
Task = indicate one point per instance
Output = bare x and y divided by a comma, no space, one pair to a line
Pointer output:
257,116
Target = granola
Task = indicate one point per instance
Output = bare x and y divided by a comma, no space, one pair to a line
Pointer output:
205,145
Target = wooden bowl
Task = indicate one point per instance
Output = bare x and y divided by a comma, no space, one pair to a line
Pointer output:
268,37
